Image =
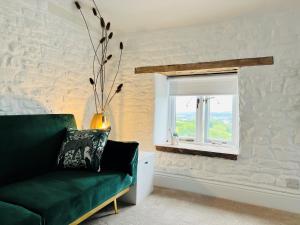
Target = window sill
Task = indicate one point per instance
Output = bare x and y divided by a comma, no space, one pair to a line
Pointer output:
224,152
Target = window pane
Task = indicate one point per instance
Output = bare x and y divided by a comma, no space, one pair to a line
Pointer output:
186,116
219,118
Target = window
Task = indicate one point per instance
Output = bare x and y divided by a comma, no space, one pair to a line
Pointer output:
204,119
204,111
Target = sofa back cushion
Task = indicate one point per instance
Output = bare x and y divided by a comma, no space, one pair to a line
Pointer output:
120,156
29,144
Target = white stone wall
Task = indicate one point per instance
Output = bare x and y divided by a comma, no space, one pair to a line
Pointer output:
45,58
45,61
269,96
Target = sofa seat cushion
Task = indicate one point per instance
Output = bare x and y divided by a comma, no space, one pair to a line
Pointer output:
63,196
16,215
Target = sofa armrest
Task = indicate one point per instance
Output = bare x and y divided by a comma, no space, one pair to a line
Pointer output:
120,156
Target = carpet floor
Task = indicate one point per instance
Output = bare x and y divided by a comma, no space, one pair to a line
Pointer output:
171,207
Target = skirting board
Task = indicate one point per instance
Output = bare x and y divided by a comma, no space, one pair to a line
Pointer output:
238,193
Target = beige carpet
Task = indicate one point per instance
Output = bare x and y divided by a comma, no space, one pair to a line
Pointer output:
170,207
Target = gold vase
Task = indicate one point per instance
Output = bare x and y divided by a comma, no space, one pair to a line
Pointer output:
100,121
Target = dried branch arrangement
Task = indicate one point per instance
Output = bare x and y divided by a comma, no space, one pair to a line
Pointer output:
100,60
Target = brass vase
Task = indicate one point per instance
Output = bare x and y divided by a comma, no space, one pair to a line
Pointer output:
100,121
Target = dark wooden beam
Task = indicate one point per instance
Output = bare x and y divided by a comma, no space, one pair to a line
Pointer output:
202,66
196,152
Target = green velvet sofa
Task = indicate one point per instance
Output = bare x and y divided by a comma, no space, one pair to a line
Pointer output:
34,192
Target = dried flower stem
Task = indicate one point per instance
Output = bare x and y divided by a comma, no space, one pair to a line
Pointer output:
96,76
89,33
113,83
111,98
102,64
97,8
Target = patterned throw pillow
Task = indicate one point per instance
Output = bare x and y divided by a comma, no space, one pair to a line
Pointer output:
82,149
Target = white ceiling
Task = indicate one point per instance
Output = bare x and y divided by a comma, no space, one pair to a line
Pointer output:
145,15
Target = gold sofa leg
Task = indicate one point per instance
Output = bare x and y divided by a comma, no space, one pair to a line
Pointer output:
116,206
95,210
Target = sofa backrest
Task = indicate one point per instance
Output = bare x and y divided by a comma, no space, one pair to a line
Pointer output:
29,144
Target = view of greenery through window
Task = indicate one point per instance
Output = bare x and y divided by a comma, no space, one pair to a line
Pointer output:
186,124
219,117
186,116
220,127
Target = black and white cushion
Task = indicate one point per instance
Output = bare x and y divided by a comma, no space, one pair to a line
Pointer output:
82,149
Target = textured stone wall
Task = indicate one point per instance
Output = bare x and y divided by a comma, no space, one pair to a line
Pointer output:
45,63
269,96
44,59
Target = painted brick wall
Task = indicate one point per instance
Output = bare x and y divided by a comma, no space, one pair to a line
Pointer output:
45,62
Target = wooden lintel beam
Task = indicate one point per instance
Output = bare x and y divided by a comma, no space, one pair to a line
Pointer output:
232,63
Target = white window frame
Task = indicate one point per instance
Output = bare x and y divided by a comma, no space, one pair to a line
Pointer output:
201,123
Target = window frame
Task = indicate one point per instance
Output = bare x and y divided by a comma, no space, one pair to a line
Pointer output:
202,122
